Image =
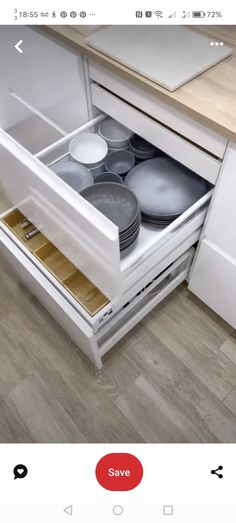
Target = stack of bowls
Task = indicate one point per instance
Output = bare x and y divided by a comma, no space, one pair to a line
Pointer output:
90,150
120,162
142,149
116,135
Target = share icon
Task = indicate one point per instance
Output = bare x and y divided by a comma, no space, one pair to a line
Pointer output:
215,471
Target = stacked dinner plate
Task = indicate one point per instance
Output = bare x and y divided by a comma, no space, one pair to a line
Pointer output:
118,204
142,149
164,189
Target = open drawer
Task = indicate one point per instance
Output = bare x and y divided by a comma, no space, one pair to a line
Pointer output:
82,234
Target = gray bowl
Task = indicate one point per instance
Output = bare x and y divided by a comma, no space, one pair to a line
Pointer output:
108,177
120,162
116,135
77,176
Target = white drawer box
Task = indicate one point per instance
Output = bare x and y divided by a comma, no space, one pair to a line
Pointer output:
213,280
168,141
161,111
86,237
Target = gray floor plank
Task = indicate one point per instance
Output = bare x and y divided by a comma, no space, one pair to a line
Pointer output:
43,415
169,391
195,339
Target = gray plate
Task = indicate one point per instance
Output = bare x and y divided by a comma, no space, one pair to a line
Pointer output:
130,229
164,187
115,201
126,238
130,241
74,174
157,223
108,177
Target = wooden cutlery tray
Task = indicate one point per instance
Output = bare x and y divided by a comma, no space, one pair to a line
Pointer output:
87,295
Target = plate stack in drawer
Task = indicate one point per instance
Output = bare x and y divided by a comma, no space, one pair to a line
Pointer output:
89,297
164,189
120,206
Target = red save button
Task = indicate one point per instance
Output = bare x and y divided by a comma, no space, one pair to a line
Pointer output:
119,471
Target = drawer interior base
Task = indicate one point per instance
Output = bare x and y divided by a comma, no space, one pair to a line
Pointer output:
83,290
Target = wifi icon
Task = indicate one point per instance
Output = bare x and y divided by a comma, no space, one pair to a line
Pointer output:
159,14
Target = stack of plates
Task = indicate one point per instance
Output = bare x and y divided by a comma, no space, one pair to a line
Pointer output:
164,189
118,204
142,149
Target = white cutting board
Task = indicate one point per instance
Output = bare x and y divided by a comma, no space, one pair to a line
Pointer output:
168,55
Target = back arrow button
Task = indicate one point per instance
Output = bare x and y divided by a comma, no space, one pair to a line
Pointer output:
17,46
68,510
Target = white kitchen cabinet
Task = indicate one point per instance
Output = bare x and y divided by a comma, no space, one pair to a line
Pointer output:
220,226
213,280
132,282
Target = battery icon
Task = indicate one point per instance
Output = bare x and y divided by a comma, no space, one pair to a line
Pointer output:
198,14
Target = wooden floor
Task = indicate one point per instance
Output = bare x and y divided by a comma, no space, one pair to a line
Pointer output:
172,379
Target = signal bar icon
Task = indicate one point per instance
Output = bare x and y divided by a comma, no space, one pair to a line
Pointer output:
173,15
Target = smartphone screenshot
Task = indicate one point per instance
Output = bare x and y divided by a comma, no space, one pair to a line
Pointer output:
117,262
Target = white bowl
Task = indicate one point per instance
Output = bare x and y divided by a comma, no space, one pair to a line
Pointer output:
116,135
88,149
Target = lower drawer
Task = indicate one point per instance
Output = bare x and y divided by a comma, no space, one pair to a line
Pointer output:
42,250
213,280
50,297
55,298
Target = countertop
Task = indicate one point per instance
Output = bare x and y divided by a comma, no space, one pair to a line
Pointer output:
210,98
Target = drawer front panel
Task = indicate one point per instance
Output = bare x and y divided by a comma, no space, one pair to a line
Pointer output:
220,227
156,108
213,280
129,317
86,237
47,75
53,301
166,140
